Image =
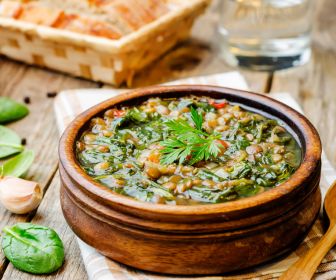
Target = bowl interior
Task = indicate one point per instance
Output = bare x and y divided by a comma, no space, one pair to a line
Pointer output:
302,130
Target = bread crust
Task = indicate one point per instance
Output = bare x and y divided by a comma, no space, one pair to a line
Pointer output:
110,19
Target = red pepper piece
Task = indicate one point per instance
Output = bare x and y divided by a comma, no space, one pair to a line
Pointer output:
217,105
118,113
224,143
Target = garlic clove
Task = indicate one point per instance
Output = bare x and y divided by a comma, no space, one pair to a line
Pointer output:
18,195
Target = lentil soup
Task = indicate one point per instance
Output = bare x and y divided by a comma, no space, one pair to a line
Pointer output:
185,151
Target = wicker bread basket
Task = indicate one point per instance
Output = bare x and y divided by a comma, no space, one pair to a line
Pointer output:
96,58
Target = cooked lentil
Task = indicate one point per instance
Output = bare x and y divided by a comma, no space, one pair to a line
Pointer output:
123,150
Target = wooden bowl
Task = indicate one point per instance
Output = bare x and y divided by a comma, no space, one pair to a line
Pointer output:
198,239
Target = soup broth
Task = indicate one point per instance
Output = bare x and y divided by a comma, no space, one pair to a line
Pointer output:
185,151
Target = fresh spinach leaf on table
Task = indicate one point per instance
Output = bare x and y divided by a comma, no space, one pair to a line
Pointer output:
11,110
10,142
33,248
18,165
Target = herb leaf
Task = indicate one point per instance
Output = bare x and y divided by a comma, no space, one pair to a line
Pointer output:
18,165
182,127
188,141
175,150
11,110
214,148
197,118
33,248
10,142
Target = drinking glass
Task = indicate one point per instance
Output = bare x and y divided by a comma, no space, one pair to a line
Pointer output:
265,34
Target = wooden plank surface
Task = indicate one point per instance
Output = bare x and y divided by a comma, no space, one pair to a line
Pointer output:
39,128
50,214
198,56
313,85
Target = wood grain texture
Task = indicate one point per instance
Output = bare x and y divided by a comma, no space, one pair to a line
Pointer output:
313,85
114,223
50,214
197,56
86,56
314,88
38,128
305,267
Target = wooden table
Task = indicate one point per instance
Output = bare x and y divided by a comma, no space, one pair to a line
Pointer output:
313,85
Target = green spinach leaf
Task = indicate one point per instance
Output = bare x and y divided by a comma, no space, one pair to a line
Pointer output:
133,115
10,142
11,110
18,165
33,248
205,174
208,195
247,190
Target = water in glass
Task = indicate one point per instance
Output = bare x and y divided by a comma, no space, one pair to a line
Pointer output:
265,34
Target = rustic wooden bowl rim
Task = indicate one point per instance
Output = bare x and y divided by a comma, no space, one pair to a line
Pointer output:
310,160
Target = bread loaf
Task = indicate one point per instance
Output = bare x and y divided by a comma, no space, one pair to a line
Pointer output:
111,19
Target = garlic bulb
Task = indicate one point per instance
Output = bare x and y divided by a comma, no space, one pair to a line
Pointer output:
19,196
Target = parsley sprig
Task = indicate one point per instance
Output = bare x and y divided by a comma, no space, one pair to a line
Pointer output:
189,142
